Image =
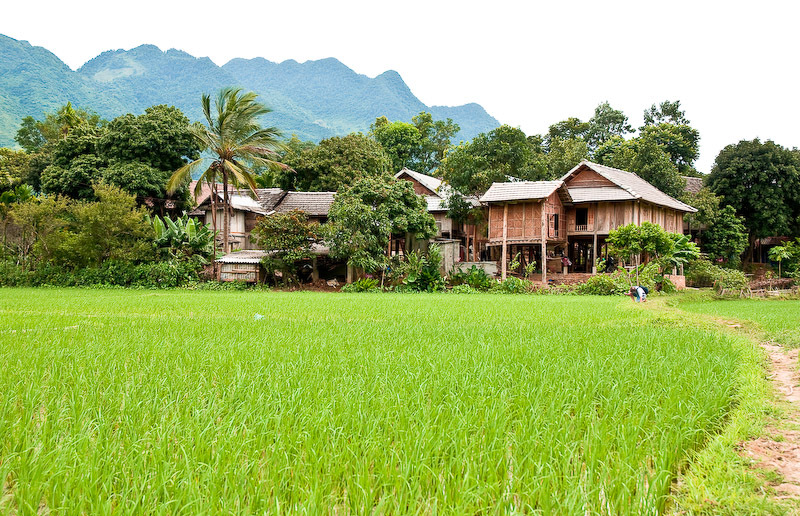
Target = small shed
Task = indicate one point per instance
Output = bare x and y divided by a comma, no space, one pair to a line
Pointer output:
242,266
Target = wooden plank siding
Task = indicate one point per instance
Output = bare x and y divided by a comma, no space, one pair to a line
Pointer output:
524,221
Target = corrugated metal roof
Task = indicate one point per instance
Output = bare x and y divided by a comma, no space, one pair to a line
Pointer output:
250,256
429,182
634,184
603,193
520,191
256,255
245,203
314,204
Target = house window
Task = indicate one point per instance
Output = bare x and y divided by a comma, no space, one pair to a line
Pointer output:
582,216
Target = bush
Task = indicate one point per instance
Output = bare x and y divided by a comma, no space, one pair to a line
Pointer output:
513,285
166,274
362,285
701,273
474,277
605,285
463,289
729,279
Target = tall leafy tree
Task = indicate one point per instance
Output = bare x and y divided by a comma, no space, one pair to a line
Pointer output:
606,123
761,180
333,164
669,112
401,141
497,156
725,237
365,215
437,137
237,142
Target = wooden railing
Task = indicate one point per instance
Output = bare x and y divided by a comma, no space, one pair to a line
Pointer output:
583,227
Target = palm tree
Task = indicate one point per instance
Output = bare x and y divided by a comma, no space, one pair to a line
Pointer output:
236,142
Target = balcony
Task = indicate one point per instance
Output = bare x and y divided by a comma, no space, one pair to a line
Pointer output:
582,228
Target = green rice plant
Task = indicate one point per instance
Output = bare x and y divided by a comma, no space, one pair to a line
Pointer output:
184,402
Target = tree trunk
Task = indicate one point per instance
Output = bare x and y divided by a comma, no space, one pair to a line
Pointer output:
214,228
226,219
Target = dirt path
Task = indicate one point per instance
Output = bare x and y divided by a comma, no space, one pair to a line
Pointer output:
779,449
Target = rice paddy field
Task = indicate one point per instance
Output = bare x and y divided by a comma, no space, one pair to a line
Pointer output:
180,402
778,319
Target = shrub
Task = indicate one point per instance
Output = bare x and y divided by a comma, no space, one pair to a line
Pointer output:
362,285
605,285
513,285
422,272
166,274
463,289
701,273
474,277
728,279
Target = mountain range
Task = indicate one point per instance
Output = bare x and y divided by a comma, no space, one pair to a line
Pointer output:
314,99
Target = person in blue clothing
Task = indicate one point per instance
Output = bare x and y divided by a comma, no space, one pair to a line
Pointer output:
638,294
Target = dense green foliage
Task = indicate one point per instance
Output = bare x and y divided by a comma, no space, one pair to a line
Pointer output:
762,182
419,146
333,164
496,407
365,215
495,156
289,237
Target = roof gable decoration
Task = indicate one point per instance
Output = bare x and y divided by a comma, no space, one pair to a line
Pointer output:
637,187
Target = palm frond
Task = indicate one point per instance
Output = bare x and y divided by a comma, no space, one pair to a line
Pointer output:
182,175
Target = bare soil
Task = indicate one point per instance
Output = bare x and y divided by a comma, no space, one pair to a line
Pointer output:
779,450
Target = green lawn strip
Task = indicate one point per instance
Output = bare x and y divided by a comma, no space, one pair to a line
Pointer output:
718,479
186,402
777,319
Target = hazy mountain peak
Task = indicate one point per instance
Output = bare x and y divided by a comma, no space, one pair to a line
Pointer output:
314,99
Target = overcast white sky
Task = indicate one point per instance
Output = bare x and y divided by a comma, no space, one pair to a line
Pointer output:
733,65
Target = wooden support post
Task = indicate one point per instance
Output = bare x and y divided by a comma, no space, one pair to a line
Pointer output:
314,270
594,242
544,242
505,238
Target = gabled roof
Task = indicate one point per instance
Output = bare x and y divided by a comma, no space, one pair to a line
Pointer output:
429,182
602,193
268,198
630,182
520,191
314,204
693,184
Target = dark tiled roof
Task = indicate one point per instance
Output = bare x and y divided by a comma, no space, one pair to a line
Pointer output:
314,204
269,197
693,184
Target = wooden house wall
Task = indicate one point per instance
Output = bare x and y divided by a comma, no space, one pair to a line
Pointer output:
524,221
419,189
588,179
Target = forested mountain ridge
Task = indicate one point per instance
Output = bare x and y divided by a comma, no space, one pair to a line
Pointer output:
314,100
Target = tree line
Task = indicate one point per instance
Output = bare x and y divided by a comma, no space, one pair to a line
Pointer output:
753,189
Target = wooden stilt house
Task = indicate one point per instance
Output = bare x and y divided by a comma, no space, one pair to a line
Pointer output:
567,221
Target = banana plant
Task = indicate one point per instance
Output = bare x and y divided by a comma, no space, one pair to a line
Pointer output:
183,234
